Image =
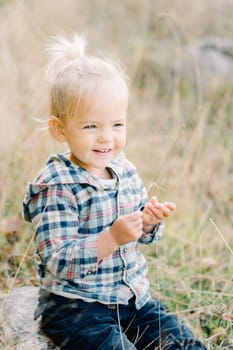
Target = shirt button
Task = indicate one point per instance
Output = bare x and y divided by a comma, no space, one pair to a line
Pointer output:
125,250
90,272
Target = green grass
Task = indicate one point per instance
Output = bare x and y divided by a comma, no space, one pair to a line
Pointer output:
188,153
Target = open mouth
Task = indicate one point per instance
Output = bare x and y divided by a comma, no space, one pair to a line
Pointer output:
102,151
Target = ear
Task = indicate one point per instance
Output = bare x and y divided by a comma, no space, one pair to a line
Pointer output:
56,128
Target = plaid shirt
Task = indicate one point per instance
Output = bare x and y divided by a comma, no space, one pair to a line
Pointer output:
69,208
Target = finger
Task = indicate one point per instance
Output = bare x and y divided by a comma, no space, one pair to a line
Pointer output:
160,210
154,200
155,211
146,210
136,224
170,205
167,209
137,215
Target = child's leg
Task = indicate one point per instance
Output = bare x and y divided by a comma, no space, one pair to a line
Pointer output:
152,328
76,325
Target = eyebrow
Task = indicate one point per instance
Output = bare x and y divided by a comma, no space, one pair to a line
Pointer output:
90,121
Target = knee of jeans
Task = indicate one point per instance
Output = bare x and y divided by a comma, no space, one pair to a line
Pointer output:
105,335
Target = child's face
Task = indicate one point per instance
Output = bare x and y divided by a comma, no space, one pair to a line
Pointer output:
97,135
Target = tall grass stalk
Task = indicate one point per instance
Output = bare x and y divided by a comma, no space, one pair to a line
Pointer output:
179,137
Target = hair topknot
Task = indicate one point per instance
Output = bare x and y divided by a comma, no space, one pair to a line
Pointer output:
62,51
61,48
74,76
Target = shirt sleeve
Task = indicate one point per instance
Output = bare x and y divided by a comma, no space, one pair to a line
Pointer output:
153,236
56,222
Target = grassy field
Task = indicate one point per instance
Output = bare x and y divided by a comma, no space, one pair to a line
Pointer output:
179,137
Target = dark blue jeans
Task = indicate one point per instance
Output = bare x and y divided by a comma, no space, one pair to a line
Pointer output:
77,325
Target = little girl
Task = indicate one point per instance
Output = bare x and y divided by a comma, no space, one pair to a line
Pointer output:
90,211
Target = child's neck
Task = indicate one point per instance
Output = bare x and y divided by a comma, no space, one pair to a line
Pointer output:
104,174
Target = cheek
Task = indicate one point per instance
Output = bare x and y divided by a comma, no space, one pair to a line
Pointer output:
81,139
77,143
123,139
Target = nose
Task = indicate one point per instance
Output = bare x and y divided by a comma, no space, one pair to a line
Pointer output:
105,135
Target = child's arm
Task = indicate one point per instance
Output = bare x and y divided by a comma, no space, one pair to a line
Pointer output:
155,212
125,229
129,228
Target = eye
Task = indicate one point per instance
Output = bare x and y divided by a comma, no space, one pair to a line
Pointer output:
89,127
118,125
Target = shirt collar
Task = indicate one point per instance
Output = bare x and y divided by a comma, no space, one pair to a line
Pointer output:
60,170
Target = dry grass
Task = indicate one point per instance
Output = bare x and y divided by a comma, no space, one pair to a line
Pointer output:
188,133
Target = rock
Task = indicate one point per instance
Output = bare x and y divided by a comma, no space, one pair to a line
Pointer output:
208,62
18,328
205,63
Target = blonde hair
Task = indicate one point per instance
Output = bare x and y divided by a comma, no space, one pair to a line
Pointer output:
74,76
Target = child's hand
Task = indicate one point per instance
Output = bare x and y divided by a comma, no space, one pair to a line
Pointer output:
155,213
127,228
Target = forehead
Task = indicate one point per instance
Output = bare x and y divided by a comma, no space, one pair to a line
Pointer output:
114,88
103,93
111,92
